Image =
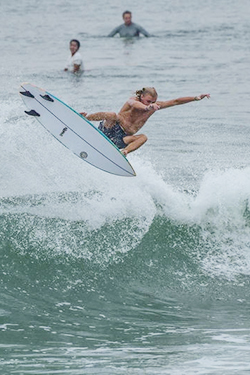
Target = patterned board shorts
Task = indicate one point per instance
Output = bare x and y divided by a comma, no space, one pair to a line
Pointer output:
115,134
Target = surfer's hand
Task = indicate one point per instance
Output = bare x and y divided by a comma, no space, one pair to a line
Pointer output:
84,114
152,106
202,96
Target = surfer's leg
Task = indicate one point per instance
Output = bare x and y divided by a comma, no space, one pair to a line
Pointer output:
133,142
110,120
109,117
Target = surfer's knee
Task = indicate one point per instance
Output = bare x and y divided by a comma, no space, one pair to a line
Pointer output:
143,138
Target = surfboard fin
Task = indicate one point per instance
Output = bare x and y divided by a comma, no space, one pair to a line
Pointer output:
27,93
47,97
32,113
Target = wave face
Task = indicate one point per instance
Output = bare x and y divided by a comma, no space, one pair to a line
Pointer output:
108,226
94,275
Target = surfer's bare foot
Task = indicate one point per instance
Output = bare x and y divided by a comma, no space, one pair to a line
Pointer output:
124,151
84,114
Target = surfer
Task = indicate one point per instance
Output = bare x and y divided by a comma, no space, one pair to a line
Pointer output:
128,29
74,63
121,128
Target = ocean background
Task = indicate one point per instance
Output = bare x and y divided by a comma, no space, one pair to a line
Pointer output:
103,274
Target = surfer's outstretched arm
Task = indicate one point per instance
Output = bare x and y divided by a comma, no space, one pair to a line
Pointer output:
178,101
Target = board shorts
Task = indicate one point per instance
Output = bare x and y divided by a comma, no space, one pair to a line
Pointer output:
115,134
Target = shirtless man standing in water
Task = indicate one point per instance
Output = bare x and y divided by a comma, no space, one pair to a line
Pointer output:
121,128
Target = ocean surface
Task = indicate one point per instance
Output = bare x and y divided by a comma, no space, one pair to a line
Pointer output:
101,274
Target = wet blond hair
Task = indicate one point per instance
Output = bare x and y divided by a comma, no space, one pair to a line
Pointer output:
146,90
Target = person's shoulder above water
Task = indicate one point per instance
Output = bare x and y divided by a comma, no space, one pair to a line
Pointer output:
132,30
115,31
141,29
128,28
74,63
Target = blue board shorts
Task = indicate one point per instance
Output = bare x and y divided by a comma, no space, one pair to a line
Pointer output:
115,134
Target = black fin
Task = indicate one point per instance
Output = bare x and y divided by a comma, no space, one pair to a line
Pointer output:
32,113
27,93
47,97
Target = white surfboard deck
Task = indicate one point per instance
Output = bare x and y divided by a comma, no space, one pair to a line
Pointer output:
74,131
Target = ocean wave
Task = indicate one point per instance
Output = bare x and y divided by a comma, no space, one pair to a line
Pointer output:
207,231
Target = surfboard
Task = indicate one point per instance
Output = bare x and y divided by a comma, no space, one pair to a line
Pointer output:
74,131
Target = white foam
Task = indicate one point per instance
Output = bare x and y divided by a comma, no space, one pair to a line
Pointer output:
52,183
221,210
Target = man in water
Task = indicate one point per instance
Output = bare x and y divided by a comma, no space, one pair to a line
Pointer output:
128,29
121,128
